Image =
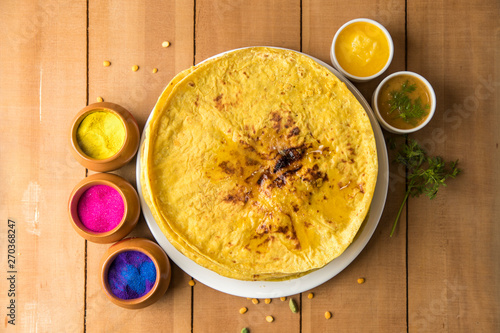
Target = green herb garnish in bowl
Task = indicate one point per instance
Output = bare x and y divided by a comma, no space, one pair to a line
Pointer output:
411,111
404,102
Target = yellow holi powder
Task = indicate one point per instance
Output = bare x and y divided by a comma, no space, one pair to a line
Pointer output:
100,135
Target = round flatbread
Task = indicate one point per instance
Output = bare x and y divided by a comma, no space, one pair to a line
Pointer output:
259,164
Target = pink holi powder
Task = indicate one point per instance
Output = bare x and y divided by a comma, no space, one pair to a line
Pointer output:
100,208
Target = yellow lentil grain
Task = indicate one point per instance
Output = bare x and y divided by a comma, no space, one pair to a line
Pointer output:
269,319
191,283
361,280
283,299
165,44
243,310
99,99
155,70
248,298
135,68
328,315
310,296
267,300
255,301
106,63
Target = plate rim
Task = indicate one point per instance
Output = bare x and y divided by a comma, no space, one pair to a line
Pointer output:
274,289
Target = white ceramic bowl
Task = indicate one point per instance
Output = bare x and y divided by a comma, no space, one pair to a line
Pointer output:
351,77
391,128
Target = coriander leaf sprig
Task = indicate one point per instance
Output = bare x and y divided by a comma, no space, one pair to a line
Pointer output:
425,174
407,109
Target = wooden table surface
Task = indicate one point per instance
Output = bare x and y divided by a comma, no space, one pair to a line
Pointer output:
440,273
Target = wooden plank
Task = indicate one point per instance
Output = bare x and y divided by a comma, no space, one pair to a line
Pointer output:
127,34
42,86
222,26
230,24
215,311
380,303
454,240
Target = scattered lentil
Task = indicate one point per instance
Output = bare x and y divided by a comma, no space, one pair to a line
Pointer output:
165,44
269,319
283,299
361,280
328,315
310,296
243,310
99,99
191,283
267,300
106,63
155,70
135,68
255,301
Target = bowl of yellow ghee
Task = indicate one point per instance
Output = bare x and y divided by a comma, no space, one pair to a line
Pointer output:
362,49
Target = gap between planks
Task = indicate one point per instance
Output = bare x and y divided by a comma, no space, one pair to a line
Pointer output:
86,175
406,180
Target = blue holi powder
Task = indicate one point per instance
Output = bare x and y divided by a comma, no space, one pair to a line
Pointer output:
131,275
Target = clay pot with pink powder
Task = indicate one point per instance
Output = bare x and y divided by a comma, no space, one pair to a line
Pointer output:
104,208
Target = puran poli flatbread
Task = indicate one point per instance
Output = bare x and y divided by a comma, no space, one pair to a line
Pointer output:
259,164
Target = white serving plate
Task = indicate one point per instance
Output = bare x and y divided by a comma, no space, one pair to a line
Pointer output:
267,289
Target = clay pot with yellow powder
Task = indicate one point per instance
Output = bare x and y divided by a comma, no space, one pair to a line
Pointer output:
104,137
